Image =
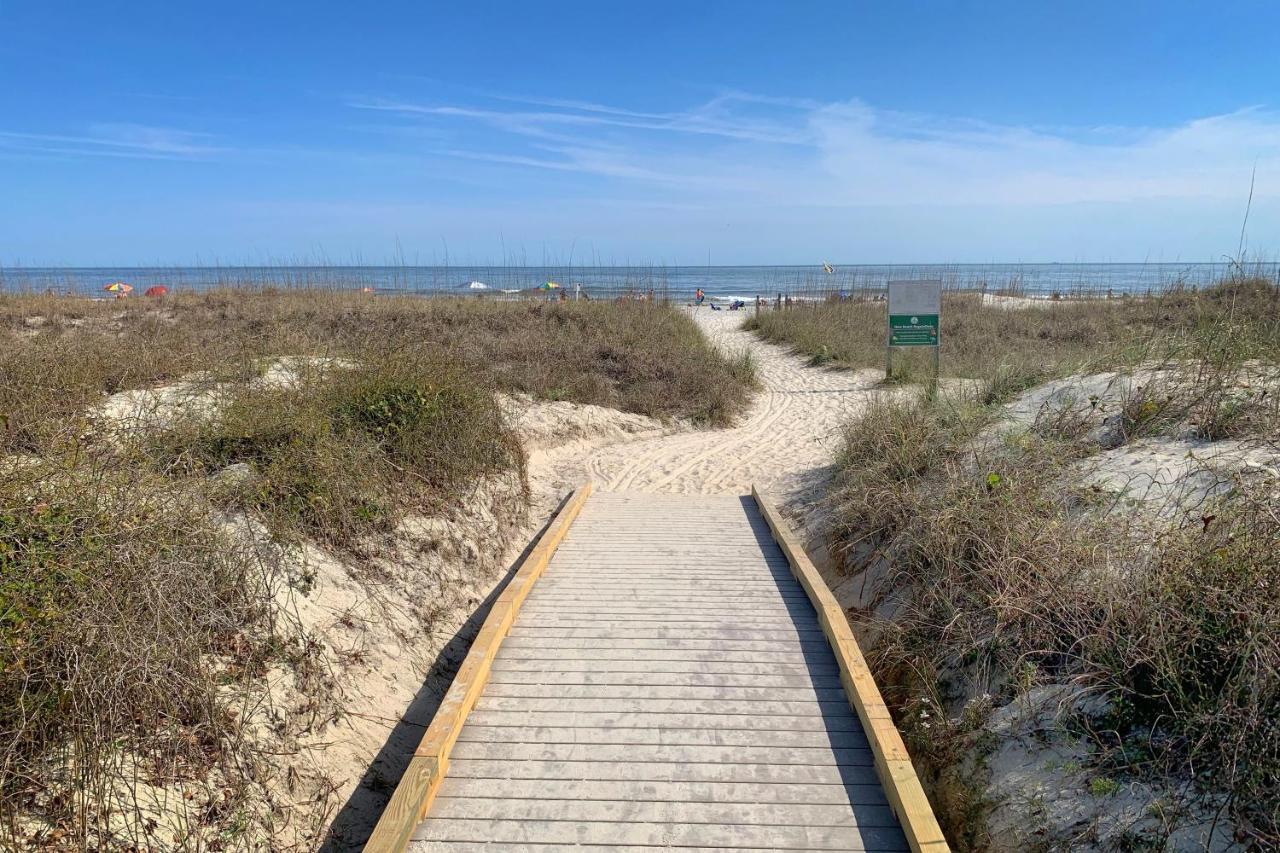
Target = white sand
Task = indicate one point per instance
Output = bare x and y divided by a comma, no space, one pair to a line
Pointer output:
391,631
198,395
1176,477
1013,303
1020,303
785,443
1167,476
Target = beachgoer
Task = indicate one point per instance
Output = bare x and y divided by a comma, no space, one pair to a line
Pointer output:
699,296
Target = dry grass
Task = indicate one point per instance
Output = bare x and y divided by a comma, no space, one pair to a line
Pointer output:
1019,576
132,614
1058,338
638,357
117,589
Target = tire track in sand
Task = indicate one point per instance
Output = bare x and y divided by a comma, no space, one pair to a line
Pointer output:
788,436
691,448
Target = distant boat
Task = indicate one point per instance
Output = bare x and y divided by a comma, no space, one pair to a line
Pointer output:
827,268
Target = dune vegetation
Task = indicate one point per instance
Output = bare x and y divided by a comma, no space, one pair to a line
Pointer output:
1029,338
135,617
1009,548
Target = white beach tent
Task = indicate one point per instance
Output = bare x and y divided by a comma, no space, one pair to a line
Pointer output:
477,286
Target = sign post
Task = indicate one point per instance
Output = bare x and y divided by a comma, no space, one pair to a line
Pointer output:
915,313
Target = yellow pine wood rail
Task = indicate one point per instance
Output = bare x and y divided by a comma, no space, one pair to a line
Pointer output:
893,765
421,780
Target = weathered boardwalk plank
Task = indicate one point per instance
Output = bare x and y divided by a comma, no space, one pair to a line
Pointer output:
666,684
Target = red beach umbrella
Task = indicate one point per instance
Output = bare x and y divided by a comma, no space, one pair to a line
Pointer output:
156,290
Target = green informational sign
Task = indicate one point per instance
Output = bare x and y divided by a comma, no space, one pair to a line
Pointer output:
913,330
914,309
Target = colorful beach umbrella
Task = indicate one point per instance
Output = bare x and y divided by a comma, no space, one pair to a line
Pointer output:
155,290
118,287
551,285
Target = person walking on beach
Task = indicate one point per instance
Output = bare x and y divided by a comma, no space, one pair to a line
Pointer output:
698,296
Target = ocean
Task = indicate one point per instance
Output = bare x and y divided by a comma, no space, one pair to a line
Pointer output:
721,282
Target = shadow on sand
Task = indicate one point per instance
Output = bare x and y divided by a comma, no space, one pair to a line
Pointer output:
358,816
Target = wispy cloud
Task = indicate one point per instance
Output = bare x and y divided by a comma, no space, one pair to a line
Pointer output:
709,119
801,151
116,140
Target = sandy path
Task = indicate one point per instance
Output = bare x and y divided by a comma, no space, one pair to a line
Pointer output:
785,443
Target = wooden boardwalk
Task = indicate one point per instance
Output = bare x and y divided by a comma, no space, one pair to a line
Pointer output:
667,683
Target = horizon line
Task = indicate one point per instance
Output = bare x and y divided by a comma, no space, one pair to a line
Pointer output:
1223,261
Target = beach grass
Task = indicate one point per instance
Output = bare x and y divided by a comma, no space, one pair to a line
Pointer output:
639,357
1032,337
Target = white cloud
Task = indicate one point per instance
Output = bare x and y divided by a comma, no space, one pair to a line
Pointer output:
116,140
798,151
882,157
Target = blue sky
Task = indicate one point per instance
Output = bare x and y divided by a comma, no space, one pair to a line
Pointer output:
648,132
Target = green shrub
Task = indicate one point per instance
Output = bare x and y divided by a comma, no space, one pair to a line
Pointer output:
346,451
444,431
1103,786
